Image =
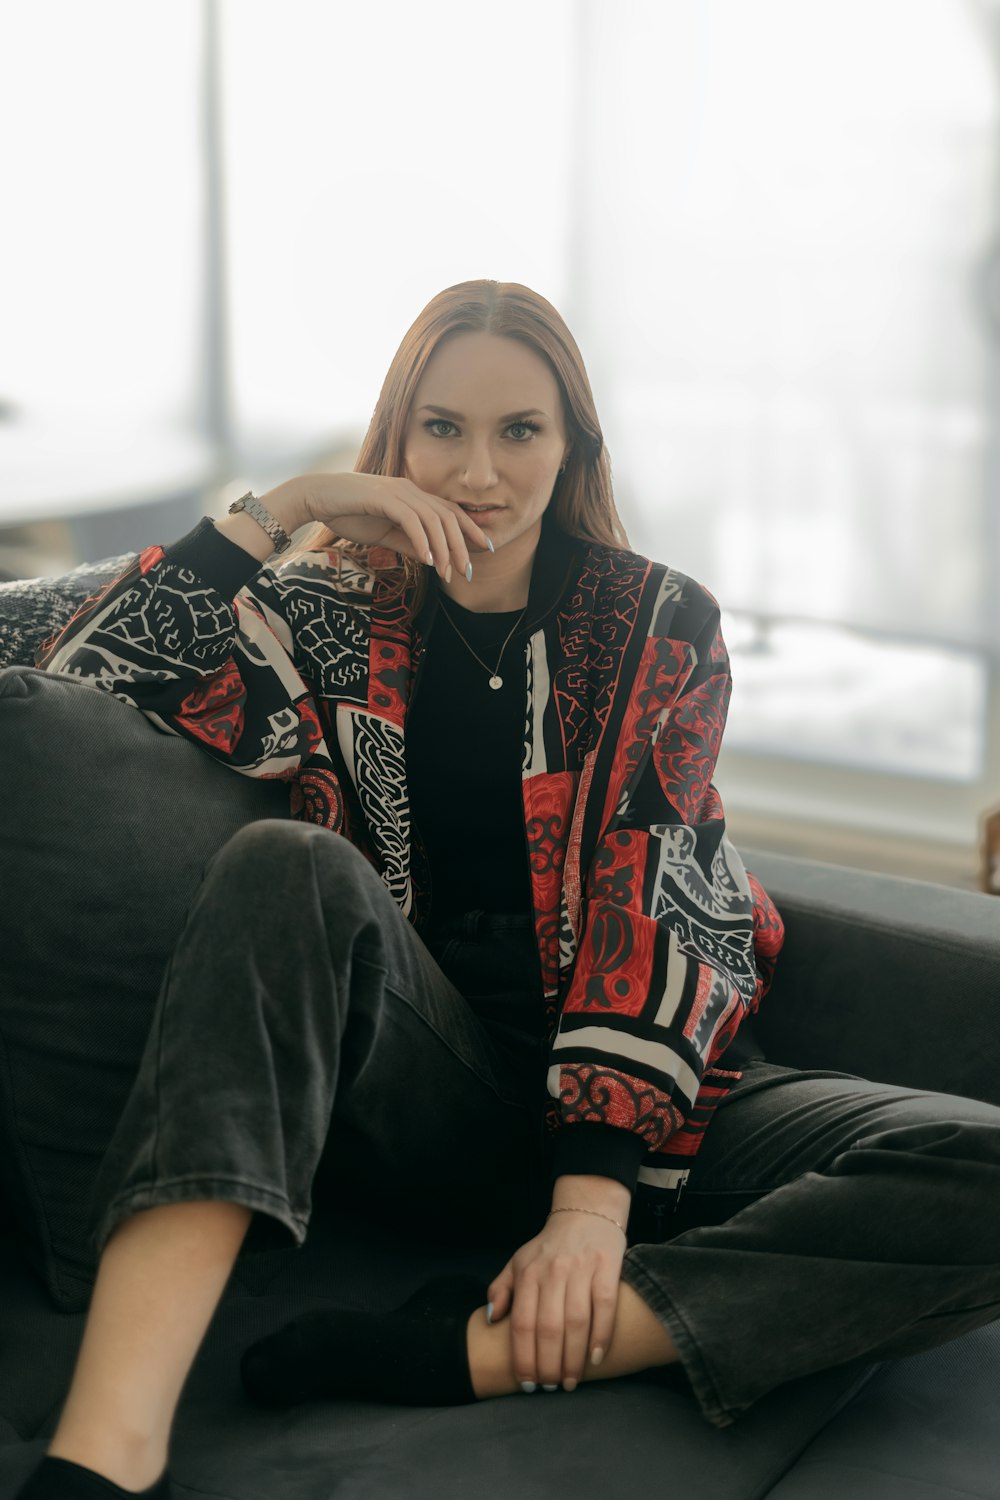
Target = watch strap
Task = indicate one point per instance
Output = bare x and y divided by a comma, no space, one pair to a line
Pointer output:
249,503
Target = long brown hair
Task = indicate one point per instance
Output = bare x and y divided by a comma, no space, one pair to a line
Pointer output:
583,500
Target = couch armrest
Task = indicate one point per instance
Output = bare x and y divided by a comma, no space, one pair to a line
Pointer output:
896,980
33,609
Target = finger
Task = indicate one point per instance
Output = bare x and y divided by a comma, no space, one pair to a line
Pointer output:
522,1331
406,507
550,1329
467,527
450,550
460,528
405,519
429,509
433,528
457,540
576,1338
467,530
434,525
605,1307
459,533
499,1294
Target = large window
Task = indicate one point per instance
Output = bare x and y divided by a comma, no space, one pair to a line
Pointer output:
771,226
102,251
373,155
790,210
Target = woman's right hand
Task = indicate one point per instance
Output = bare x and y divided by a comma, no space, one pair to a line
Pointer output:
382,510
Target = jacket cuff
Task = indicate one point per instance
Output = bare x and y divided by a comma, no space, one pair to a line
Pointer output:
222,564
604,1150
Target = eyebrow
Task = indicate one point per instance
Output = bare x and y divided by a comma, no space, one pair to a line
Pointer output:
511,416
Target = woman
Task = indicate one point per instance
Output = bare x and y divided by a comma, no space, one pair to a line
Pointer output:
517,987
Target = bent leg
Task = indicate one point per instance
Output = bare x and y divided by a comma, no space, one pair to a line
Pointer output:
840,1220
301,1005
297,993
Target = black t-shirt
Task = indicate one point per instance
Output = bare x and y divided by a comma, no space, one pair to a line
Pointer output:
464,742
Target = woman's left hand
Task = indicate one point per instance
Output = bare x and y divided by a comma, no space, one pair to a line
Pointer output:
561,1289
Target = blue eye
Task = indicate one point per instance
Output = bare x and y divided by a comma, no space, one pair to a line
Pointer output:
444,422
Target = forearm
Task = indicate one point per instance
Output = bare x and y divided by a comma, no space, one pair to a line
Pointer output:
287,504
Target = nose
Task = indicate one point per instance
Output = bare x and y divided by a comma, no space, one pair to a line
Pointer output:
480,472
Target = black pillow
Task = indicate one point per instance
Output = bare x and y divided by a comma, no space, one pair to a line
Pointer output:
106,827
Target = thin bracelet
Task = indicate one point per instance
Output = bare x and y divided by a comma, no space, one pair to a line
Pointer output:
593,1211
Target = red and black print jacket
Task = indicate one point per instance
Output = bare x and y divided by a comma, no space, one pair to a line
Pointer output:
654,942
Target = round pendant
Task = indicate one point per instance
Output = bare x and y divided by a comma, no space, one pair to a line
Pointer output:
496,682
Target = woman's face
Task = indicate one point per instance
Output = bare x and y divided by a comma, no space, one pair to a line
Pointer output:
486,428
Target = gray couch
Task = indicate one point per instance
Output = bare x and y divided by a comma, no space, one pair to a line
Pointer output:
105,828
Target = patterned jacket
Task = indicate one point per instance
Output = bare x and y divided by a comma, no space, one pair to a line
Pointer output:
654,942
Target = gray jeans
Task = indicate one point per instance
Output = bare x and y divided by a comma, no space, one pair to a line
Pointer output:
307,1040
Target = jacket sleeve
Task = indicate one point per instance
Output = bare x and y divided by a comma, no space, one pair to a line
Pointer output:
678,942
185,636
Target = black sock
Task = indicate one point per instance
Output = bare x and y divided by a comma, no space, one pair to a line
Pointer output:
61,1479
414,1356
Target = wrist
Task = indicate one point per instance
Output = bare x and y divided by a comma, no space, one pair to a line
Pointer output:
592,1213
286,502
602,1195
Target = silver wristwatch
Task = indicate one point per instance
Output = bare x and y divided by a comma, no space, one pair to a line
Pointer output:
249,502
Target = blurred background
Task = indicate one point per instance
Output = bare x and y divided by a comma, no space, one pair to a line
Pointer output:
772,225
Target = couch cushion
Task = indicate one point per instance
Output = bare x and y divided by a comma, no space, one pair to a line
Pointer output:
890,978
924,1428
32,609
106,825
643,1435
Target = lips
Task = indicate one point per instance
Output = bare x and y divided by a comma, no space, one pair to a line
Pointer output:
470,512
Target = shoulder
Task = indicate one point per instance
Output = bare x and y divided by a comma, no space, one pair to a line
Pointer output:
672,602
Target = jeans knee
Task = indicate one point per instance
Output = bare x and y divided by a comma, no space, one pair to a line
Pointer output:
976,1141
270,853
267,839
950,1136
296,884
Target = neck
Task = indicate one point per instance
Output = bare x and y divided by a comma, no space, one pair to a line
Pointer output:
484,603
491,591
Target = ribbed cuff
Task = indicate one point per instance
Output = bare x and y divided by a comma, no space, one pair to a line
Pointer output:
604,1150
222,564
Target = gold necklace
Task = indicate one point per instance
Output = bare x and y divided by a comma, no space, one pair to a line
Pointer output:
496,681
